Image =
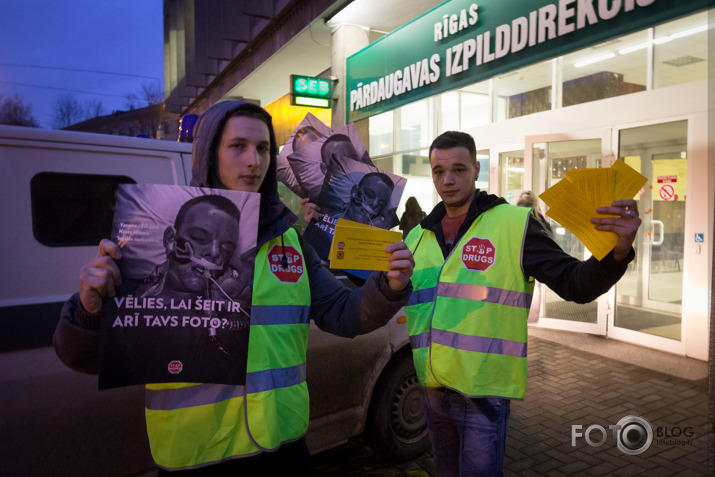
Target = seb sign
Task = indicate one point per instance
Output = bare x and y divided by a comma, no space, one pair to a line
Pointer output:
310,91
479,254
288,270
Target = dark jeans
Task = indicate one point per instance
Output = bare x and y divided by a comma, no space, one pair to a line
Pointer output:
291,459
468,435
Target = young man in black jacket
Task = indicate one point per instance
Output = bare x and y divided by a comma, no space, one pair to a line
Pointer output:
476,258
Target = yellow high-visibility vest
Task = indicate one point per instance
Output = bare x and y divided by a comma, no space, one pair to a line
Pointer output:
191,425
467,314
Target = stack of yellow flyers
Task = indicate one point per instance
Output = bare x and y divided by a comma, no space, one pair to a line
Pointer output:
358,246
572,201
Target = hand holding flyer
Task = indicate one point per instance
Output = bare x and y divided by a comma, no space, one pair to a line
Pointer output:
358,246
337,176
573,201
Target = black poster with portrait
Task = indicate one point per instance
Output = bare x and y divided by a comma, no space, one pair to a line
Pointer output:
355,191
182,313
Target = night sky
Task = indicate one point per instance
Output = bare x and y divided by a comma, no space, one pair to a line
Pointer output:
57,47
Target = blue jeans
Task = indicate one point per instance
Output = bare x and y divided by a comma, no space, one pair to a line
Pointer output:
468,435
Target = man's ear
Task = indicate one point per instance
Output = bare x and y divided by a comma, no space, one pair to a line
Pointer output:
169,239
476,170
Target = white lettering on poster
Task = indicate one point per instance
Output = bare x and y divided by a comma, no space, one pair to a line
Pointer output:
148,318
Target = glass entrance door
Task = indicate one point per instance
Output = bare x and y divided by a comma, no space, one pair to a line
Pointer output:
511,174
649,296
550,158
645,306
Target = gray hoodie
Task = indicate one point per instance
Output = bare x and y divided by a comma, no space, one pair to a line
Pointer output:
275,218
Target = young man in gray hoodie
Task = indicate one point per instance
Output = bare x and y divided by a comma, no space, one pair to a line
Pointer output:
258,427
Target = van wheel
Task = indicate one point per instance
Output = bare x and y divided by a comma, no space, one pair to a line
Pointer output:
397,424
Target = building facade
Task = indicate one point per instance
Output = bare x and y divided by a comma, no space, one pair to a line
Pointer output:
150,121
544,87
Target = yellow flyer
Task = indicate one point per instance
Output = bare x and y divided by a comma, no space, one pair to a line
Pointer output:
572,201
358,246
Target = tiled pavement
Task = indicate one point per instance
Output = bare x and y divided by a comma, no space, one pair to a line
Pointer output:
566,387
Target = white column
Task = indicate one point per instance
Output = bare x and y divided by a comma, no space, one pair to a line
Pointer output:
346,40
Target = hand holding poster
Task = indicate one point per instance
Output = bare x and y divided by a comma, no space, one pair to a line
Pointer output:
182,313
354,191
335,173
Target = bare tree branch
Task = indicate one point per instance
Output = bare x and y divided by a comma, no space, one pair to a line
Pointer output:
14,112
147,94
67,111
93,108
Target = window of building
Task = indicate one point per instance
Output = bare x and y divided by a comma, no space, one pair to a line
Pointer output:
613,68
387,163
483,178
681,51
416,127
450,111
475,106
415,163
511,173
524,91
73,209
465,108
381,135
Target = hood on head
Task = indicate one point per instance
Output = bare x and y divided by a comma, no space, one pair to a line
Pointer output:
205,160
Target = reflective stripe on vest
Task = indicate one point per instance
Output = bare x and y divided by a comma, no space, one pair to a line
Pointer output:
467,314
191,425
202,394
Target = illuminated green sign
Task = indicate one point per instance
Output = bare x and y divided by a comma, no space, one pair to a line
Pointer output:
462,42
311,91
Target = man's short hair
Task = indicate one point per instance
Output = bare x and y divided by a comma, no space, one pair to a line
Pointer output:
242,111
450,139
380,175
218,201
334,138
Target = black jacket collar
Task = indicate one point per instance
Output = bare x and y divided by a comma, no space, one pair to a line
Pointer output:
481,202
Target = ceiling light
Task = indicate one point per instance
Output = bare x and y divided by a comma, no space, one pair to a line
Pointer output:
665,39
633,48
595,59
689,32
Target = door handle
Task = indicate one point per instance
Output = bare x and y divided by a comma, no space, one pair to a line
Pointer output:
658,241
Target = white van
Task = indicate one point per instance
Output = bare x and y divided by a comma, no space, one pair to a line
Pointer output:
58,192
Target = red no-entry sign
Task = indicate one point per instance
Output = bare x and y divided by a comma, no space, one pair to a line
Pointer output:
667,192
